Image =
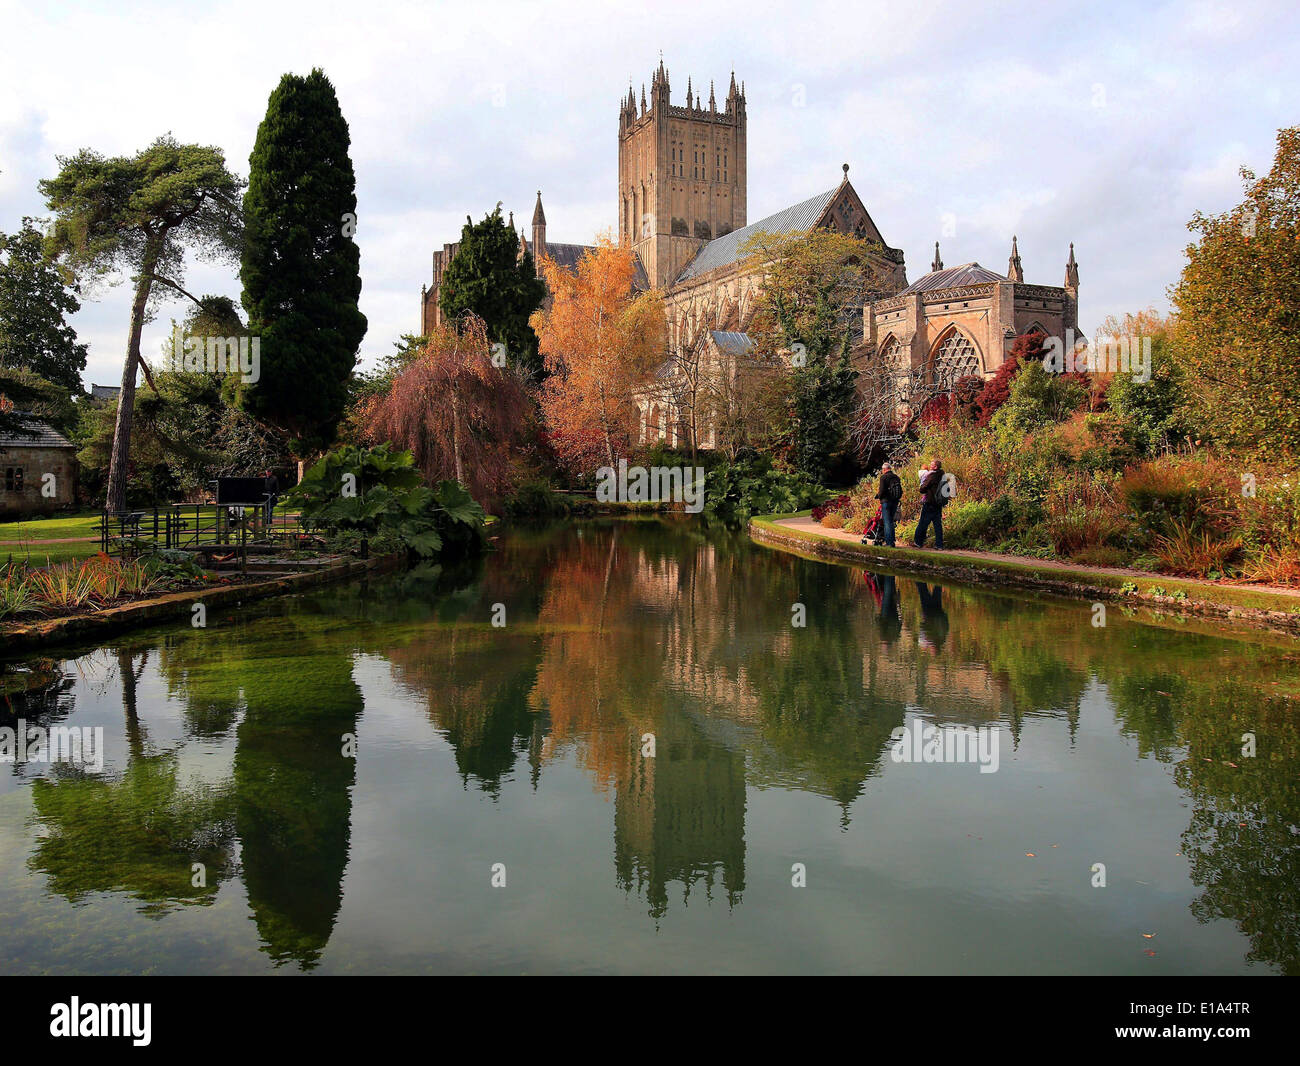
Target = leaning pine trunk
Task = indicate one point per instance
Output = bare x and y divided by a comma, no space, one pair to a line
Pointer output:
115,498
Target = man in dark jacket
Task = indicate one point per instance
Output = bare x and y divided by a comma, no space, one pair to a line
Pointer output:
934,497
271,486
890,493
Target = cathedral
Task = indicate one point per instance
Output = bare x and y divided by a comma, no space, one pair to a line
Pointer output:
682,207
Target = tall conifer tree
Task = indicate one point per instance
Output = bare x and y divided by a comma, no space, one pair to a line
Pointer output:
300,266
490,279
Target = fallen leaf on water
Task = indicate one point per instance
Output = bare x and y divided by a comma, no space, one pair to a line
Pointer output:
1055,845
1148,952
1148,935
1031,855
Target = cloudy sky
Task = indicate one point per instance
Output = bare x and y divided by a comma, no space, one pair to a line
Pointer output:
1103,124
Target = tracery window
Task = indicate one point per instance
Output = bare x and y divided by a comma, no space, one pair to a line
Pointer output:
955,359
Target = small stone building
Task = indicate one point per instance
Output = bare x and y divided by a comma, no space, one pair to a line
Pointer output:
38,470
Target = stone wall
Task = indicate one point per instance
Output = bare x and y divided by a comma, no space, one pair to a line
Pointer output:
37,495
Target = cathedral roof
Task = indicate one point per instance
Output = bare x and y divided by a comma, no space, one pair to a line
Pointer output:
539,216
567,255
730,342
725,250
953,277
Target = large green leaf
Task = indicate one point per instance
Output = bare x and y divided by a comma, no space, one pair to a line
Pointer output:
459,505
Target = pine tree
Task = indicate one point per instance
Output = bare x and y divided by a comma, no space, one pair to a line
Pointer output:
139,214
300,265
489,278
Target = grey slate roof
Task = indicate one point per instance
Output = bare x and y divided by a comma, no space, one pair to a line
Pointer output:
725,250
730,342
966,274
567,255
45,435
640,279
104,392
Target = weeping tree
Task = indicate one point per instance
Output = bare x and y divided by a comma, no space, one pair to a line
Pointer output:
455,410
139,214
301,267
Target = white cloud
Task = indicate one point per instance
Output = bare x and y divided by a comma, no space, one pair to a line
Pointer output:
986,110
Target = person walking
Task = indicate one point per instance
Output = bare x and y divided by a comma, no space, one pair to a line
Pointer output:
934,497
271,486
890,494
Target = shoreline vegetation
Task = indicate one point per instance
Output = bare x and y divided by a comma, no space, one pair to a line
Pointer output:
40,632
1274,609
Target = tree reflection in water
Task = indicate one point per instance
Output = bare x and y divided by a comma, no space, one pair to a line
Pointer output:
622,630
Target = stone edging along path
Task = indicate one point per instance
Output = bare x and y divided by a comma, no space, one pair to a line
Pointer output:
26,636
1275,609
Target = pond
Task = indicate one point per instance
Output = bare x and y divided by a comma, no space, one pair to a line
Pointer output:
628,746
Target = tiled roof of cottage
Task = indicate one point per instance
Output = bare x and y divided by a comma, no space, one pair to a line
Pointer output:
953,277
43,435
725,250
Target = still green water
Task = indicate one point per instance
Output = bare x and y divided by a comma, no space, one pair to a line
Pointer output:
518,752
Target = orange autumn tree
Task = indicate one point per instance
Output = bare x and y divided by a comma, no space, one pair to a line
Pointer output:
454,410
599,339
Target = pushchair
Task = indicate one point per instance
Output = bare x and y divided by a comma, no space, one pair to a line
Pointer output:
874,533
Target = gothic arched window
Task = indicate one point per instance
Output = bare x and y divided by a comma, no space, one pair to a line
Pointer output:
955,358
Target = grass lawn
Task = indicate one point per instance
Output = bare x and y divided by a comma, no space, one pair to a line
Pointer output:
81,525
40,554
16,539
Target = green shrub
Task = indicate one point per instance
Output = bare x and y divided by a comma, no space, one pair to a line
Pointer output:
1159,409
369,492
168,564
535,499
737,491
1038,398
970,524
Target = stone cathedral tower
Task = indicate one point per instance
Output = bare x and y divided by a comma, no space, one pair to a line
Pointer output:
681,174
